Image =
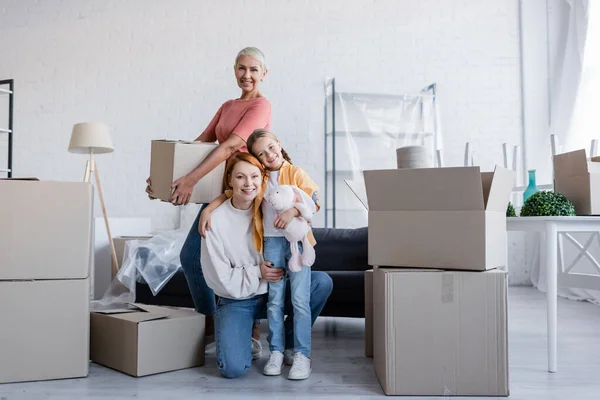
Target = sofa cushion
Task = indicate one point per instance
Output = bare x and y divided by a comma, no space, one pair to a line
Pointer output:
341,249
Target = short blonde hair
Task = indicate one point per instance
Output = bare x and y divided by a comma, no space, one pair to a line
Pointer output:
254,53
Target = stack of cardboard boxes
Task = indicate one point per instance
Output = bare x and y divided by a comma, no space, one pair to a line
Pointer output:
436,299
45,259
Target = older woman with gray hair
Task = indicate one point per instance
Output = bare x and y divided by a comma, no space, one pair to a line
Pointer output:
231,126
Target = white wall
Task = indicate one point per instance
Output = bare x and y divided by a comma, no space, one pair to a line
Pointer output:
154,69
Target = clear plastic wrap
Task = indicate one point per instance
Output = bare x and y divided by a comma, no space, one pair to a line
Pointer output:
153,261
362,132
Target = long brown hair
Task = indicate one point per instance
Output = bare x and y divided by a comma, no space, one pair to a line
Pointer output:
260,133
241,157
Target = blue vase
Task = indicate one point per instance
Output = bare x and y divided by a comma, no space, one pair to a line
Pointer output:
531,188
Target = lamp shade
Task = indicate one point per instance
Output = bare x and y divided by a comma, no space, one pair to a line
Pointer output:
90,136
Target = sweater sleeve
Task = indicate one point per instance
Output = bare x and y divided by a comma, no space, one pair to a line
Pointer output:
307,185
227,280
257,116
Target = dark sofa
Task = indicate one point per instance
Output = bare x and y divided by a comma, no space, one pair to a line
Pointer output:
342,253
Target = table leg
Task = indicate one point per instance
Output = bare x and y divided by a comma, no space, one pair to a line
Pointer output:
551,255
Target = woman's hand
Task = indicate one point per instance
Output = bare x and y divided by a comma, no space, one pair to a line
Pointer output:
149,189
283,219
204,223
182,190
269,273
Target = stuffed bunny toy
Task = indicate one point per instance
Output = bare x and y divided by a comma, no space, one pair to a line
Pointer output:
282,198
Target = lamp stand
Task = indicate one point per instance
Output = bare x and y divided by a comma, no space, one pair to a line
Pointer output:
90,167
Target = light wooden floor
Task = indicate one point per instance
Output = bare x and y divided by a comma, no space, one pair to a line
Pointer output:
340,370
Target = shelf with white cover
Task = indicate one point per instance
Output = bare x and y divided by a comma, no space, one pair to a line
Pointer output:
7,93
362,132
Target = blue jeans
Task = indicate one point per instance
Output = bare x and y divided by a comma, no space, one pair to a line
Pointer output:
202,295
277,251
234,319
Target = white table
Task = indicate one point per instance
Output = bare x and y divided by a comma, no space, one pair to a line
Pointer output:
549,258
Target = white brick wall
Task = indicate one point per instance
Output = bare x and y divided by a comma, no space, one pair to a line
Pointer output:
153,69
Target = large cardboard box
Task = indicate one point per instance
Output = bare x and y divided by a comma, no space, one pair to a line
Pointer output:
44,329
45,230
446,218
170,160
439,333
369,313
578,179
147,340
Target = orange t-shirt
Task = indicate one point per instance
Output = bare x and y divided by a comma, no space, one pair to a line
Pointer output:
241,118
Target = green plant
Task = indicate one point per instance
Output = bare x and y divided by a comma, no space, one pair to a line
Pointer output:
546,203
510,210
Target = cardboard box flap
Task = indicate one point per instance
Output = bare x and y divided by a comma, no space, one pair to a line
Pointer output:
114,311
573,163
158,310
497,187
439,189
358,188
140,313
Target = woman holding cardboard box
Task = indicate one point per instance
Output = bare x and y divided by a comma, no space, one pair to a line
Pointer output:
233,123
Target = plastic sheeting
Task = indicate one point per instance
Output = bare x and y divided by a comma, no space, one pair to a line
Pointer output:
154,262
368,130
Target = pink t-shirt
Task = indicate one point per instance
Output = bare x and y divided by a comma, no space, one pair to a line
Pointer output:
240,117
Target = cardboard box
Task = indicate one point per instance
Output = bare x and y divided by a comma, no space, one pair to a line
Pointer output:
439,333
45,230
147,340
119,243
44,329
578,179
446,218
170,160
369,313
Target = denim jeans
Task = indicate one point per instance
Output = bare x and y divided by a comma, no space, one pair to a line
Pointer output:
277,251
202,296
234,318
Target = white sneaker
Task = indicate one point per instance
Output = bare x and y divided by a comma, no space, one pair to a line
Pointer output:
288,357
273,367
300,368
256,349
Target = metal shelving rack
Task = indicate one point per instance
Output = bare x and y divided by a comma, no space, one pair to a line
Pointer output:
335,168
7,89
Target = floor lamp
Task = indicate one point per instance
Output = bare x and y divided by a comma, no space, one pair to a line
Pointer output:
94,138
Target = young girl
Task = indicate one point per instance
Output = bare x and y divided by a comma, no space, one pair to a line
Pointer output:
265,146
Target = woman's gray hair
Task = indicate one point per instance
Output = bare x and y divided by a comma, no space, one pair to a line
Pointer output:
254,53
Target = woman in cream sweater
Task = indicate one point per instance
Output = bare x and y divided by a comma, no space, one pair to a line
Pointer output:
237,274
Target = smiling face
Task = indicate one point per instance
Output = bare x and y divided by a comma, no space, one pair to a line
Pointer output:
245,181
248,73
268,151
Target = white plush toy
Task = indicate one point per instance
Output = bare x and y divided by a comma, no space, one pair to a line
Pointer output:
282,198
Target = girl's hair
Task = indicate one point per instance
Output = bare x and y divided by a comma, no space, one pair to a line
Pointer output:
240,157
260,133
254,53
